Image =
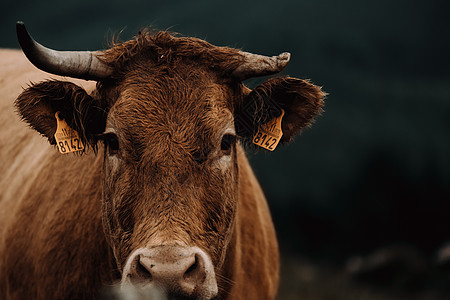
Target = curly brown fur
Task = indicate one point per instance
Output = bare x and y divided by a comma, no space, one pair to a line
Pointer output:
164,48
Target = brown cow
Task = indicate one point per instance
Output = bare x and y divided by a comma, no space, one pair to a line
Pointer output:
168,199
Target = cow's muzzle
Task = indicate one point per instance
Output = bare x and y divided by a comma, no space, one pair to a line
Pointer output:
178,271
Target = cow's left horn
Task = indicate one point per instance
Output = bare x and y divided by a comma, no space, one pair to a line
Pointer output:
259,65
76,64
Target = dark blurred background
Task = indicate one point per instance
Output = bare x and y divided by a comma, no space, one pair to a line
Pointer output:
361,201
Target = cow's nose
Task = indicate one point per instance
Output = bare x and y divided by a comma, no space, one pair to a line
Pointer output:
179,271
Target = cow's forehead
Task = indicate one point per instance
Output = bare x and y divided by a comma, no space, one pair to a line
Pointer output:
185,110
180,100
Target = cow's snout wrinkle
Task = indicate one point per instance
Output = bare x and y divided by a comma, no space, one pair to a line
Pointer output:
179,271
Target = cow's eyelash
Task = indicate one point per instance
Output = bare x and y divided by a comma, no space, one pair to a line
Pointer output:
103,136
228,141
110,139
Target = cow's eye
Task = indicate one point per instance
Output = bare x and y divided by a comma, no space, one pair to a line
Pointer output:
228,140
111,142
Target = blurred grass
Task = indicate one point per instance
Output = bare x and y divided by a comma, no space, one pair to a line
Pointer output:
303,279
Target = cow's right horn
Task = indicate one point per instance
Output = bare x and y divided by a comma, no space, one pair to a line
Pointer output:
255,65
76,64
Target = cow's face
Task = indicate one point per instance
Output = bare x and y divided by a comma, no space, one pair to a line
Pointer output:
171,123
170,169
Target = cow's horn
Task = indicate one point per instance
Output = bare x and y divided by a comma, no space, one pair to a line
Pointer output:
76,64
258,65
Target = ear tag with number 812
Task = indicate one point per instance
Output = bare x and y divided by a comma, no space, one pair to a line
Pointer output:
269,134
67,139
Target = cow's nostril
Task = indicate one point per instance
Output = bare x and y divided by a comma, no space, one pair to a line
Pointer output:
191,269
141,272
196,272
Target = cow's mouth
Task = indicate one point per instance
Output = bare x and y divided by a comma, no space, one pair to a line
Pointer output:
170,272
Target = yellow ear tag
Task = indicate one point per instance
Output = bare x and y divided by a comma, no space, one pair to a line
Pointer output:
67,139
269,134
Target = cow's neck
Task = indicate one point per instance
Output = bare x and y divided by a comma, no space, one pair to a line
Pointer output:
253,249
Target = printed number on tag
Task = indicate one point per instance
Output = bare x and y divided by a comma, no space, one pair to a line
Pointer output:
67,139
269,134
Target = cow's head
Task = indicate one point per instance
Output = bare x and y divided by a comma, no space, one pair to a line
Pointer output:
171,112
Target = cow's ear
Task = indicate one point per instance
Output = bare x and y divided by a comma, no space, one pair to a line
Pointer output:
38,104
300,100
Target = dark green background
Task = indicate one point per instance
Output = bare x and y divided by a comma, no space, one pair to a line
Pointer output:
375,167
